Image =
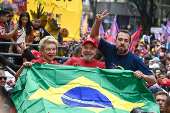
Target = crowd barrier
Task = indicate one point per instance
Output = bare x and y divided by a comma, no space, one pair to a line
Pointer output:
32,45
10,56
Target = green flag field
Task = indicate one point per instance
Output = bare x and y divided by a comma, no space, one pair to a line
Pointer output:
45,88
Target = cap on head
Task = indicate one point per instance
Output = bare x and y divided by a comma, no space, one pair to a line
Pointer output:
163,47
155,89
93,41
165,82
142,41
155,59
147,57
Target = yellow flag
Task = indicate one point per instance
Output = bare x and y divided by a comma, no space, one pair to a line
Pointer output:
66,14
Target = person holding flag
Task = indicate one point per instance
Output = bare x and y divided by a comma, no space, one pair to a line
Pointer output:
118,56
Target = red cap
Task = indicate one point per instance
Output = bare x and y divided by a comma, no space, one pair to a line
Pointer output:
165,82
35,53
169,57
92,40
65,43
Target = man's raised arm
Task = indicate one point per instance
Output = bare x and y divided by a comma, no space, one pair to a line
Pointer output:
11,34
95,29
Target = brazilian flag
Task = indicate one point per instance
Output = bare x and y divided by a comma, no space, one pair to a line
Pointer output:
45,88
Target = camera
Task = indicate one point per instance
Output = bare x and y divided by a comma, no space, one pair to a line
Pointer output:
138,110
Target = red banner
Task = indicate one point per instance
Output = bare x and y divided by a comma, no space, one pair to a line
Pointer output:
22,6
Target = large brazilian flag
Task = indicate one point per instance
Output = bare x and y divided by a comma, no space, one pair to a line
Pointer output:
45,88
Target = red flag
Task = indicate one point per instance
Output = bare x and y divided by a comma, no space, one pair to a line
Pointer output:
134,39
50,16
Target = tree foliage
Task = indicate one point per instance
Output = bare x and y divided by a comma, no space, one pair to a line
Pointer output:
146,9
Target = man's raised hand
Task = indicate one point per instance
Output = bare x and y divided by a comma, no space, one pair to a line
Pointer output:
99,17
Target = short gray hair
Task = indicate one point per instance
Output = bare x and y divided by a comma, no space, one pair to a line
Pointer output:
47,40
77,49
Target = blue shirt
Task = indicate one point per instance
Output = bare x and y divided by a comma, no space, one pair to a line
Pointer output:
124,62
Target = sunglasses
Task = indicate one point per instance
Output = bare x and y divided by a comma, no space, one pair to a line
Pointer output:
3,77
11,15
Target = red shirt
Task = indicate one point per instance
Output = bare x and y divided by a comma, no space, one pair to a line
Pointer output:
40,60
93,64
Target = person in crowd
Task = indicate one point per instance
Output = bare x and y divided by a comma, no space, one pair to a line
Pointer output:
89,50
13,66
146,37
153,46
163,50
76,53
168,74
160,77
167,105
147,47
38,32
155,89
165,83
25,33
48,48
119,54
137,52
4,108
29,55
162,67
5,37
155,60
146,60
153,66
157,71
160,98
167,62
141,45
99,56
154,63
8,99
10,23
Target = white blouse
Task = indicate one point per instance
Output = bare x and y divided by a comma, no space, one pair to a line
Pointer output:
21,35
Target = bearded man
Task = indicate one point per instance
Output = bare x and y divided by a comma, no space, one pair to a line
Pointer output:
118,55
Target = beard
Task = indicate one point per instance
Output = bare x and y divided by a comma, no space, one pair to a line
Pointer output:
88,58
122,51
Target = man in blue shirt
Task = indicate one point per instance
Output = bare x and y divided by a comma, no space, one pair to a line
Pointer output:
118,56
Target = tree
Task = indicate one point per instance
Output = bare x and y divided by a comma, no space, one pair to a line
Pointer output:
159,6
146,16
93,6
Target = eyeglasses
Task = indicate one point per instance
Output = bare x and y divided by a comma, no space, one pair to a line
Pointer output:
3,77
11,15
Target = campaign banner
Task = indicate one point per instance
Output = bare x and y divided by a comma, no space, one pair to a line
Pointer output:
22,6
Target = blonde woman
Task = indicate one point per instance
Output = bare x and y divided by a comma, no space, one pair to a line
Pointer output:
48,48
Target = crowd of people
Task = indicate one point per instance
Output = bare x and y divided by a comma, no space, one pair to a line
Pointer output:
150,60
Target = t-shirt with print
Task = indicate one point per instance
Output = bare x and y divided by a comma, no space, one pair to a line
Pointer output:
93,64
3,47
124,62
